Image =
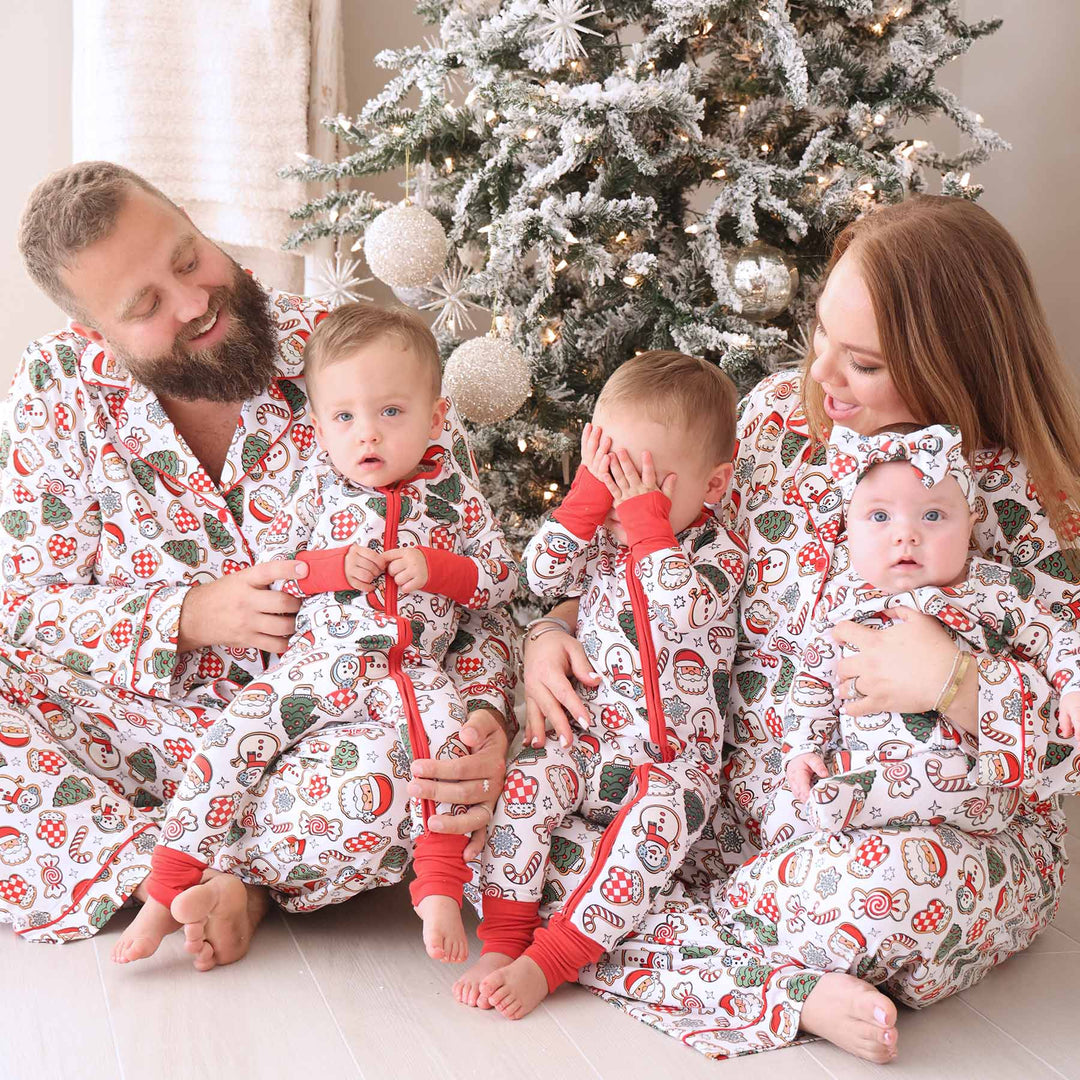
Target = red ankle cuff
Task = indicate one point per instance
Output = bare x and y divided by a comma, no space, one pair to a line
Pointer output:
508,926
171,872
439,864
561,950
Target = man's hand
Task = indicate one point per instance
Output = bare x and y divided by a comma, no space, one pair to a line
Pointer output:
625,482
462,780
241,610
594,450
800,769
1069,715
363,566
408,568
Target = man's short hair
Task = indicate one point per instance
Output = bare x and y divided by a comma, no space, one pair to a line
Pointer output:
679,391
351,326
69,211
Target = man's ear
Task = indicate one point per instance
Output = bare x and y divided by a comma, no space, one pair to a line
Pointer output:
719,482
85,331
438,418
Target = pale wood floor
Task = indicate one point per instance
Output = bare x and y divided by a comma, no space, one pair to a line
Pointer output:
348,992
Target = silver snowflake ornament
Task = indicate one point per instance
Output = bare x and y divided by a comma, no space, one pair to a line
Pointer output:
562,34
338,281
451,302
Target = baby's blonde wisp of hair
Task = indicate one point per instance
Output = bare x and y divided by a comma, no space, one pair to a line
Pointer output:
678,391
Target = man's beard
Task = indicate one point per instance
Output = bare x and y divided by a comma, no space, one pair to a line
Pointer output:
237,368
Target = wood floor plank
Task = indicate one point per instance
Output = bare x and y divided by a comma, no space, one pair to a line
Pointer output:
46,1028
245,1020
394,1006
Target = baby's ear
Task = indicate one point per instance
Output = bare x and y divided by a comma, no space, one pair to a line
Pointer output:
719,482
438,417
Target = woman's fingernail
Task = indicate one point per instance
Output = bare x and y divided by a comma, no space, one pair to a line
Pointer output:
434,825
879,1015
564,739
584,721
418,769
412,788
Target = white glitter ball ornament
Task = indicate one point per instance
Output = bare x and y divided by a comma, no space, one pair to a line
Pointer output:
405,246
488,379
764,280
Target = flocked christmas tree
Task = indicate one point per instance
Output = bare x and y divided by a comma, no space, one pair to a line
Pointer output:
617,177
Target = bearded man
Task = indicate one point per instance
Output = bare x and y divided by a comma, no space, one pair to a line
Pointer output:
146,449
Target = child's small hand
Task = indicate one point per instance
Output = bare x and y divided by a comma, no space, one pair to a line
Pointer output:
408,568
594,448
624,482
799,771
362,567
1069,715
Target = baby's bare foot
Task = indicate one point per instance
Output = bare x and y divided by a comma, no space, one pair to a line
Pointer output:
144,934
219,916
517,989
853,1015
444,932
467,989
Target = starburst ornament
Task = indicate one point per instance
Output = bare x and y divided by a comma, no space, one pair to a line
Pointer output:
562,34
338,281
451,301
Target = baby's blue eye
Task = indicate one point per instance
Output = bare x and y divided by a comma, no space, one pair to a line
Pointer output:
879,516
343,417
932,515
391,410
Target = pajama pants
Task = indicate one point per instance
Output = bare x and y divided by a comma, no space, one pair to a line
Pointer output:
930,787
308,687
641,819
86,770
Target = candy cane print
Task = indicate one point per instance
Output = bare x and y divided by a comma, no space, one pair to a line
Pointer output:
75,847
310,658
945,783
265,410
519,878
987,729
326,857
820,918
594,913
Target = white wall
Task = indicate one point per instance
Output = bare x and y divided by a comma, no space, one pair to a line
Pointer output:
1025,80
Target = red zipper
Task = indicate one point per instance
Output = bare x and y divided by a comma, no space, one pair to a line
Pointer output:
417,736
647,651
607,841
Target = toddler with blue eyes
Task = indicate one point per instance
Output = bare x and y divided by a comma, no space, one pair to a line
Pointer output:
910,504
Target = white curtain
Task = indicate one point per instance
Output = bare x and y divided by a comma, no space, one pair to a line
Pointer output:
208,99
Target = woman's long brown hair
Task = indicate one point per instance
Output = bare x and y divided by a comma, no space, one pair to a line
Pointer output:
966,341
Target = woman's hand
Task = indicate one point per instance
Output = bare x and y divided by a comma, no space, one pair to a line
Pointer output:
474,781
549,695
902,668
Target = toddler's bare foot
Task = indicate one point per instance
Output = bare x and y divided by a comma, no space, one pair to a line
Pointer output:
853,1015
219,916
144,933
517,989
444,932
467,989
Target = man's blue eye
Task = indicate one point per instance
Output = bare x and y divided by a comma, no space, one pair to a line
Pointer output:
879,516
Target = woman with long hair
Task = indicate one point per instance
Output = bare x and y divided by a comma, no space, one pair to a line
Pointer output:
928,315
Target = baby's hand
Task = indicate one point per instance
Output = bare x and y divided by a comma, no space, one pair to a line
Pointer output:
362,567
624,482
799,771
1069,715
594,448
408,567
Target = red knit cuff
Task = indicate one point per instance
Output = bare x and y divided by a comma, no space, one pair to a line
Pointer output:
561,950
585,506
326,570
645,519
171,872
508,926
439,864
450,575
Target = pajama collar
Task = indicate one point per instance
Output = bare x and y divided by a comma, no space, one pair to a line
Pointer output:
934,452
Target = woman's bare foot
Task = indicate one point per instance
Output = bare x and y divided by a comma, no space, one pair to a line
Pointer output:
467,989
144,933
219,916
853,1015
444,932
517,989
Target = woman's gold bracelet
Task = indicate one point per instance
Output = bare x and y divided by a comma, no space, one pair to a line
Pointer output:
961,663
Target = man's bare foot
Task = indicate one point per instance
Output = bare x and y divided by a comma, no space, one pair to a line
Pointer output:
467,989
444,932
853,1015
219,916
517,989
144,933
